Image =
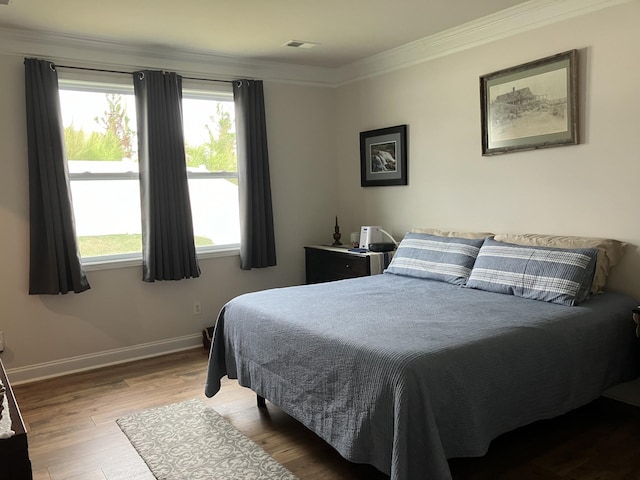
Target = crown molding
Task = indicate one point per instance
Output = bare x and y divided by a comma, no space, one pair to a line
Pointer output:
95,52
512,21
109,54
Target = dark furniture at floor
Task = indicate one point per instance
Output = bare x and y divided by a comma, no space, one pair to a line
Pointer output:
14,451
326,264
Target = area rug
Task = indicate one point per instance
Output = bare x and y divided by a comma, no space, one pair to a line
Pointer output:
191,441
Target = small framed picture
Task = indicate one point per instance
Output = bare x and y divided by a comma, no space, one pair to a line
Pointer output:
383,156
533,105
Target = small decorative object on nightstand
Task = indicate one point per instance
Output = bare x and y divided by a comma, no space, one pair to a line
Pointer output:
636,318
336,235
355,239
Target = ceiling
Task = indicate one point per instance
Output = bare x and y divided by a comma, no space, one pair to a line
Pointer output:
254,30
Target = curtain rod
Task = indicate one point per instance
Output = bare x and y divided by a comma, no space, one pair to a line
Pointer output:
131,73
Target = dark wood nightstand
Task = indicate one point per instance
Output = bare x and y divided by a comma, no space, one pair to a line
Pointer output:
326,263
14,452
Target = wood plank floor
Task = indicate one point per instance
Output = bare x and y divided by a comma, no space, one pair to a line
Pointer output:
73,434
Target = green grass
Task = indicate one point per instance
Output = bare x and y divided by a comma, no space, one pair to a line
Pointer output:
117,244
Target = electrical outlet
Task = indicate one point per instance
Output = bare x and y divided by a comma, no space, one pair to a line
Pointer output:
1,342
197,308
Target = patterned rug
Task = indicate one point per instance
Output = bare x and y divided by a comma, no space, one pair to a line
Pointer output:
190,440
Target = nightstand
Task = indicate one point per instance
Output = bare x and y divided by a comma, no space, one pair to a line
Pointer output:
325,263
628,392
14,451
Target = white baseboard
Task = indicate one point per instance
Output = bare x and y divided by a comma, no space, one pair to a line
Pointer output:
91,361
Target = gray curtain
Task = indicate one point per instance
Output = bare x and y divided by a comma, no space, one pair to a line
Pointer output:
168,247
257,237
55,265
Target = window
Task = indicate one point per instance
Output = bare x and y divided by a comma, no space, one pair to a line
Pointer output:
212,167
101,144
100,135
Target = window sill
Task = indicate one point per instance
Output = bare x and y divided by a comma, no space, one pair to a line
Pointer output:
95,263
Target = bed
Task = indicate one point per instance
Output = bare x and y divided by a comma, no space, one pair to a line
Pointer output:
424,362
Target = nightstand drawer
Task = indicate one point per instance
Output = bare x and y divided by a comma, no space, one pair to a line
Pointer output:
328,265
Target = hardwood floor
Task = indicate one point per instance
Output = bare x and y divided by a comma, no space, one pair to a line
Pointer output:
73,434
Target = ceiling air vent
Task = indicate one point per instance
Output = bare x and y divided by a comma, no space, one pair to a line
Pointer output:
297,43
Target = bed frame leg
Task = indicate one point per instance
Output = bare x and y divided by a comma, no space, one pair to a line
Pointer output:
262,403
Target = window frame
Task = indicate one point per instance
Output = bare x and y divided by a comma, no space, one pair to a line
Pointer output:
107,82
193,89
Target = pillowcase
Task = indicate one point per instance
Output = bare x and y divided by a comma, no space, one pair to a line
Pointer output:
445,233
609,251
447,259
549,274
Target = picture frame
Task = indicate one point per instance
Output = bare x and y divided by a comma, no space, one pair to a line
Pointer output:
383,156
530,106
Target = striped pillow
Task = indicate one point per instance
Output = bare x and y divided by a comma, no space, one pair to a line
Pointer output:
549,274
447,259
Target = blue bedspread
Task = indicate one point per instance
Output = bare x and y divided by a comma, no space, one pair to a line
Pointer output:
403,373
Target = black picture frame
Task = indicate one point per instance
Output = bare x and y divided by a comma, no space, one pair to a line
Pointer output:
383,157
530,106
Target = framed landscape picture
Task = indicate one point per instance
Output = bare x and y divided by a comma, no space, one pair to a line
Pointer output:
383,156
533,105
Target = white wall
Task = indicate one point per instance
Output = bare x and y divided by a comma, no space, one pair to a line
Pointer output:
589,189
121,312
